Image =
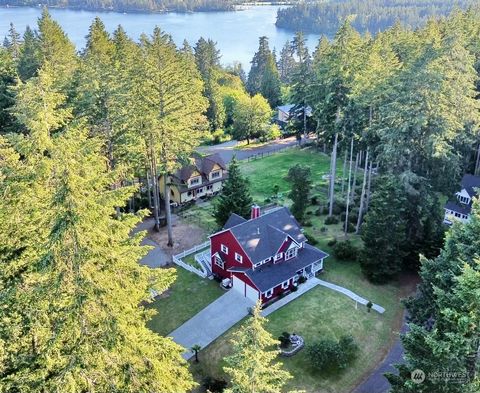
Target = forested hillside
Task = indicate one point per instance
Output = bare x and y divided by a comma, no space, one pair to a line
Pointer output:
366,15
136,5
130,5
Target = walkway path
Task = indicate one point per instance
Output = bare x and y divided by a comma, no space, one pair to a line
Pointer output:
309,284
212,321
350,294
227,150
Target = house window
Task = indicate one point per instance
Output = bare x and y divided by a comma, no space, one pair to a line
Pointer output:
285,284
189,193
194,181
289,254
219,262
238,258
215,175
278,257
224,249
269,293
209,187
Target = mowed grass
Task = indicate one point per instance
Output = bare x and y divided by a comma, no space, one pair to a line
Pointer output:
267,172
318,314
186,297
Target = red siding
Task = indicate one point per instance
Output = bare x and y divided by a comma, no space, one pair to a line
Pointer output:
226,238
276,292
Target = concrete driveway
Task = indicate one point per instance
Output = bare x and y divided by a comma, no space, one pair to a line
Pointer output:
212,321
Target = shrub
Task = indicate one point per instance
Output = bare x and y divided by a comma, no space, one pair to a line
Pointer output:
294,288
314,200
331,220
345,250
307,224
352,217
214,385
267,200
301,279
309,212
337,209
311,239
351,227
332,242
330,354
323,229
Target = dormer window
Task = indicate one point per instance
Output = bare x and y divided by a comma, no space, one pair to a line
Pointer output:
215,175
291,253
464,200
195,181
278,257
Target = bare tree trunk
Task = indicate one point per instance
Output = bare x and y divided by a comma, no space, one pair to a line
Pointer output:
168,213
333,170
150,203
348,192
156,193
367,204
354,183
344,170
477,164
362,198
305,121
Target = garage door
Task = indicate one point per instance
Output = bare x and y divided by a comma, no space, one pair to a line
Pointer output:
251,293
245,289
238,285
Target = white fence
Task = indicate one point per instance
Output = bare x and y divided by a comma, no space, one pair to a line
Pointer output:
177,259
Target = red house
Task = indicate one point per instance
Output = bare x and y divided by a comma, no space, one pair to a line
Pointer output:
264,256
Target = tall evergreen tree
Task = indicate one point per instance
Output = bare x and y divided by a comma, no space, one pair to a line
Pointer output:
383,232
444,334
300,178
207,57
29,59
252,366
8,78
71,286
286,63
234,197
263,77
168,95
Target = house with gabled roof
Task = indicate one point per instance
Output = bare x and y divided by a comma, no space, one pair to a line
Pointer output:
204,176
460,209
265,256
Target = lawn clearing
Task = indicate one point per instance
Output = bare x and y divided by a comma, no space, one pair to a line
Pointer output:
186,297
317,314
267,172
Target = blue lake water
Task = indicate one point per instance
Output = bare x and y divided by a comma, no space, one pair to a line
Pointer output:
236,33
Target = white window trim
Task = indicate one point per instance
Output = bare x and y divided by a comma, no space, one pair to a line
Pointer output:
219,262
224,249
278,257
196,180
291,253
285,284
216,174
269,293
238,257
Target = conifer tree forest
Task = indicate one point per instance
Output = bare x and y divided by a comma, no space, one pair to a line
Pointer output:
85,136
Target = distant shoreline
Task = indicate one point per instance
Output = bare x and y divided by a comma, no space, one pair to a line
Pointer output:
234,8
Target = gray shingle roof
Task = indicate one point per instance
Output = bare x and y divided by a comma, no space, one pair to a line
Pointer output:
270,275
234,220
470,182
462,209
203,165
262,237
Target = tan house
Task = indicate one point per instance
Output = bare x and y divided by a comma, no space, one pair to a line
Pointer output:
204,177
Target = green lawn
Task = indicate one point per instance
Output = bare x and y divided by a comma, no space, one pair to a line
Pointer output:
267,172
324,313
186,297
190,259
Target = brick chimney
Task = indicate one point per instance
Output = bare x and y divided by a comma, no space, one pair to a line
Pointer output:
255,212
